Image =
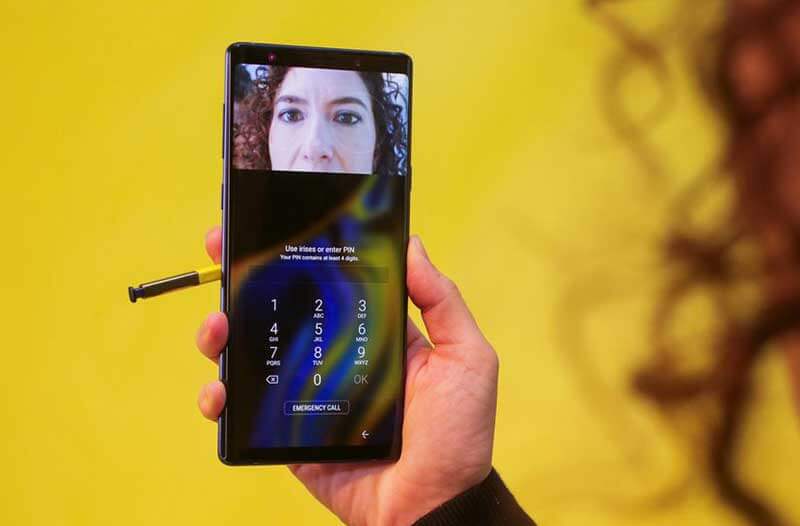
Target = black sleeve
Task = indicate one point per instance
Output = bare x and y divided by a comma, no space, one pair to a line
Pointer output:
490,503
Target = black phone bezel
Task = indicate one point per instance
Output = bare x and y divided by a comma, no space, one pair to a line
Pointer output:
303,56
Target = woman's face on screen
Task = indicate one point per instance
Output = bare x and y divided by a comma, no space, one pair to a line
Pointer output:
322,122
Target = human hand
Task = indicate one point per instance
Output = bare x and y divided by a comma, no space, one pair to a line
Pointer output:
450,405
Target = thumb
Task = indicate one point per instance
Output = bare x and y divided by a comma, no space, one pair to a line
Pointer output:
447,318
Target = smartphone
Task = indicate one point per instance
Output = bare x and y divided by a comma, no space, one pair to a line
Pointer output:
315,199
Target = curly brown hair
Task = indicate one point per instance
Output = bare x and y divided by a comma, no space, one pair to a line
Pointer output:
750,71
253,116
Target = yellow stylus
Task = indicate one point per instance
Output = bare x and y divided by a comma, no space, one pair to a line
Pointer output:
188,279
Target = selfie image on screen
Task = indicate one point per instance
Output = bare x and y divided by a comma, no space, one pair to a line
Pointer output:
316,256
319,120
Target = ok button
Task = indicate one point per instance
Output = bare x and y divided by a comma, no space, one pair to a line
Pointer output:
316,407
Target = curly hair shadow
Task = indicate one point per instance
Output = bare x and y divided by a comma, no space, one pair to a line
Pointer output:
709,259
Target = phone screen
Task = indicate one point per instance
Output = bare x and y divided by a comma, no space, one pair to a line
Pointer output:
315,231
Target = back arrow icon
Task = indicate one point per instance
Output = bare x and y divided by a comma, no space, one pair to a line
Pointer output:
364,434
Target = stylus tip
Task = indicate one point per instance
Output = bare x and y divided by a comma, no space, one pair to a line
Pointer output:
132,294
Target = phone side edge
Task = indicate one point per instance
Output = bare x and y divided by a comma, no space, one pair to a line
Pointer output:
223,452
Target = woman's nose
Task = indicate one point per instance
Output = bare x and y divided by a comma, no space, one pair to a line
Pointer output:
317,145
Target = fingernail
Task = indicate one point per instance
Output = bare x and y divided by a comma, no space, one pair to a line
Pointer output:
205,334
204,399
416,239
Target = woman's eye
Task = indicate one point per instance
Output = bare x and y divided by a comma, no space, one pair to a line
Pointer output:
347,118
291,115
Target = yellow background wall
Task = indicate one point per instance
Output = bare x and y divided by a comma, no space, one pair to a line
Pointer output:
111,170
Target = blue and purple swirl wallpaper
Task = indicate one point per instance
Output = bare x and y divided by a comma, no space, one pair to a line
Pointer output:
317,309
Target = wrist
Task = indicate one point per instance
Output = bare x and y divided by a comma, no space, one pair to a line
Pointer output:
413,501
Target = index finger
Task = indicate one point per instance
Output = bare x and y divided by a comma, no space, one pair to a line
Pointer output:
214,244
